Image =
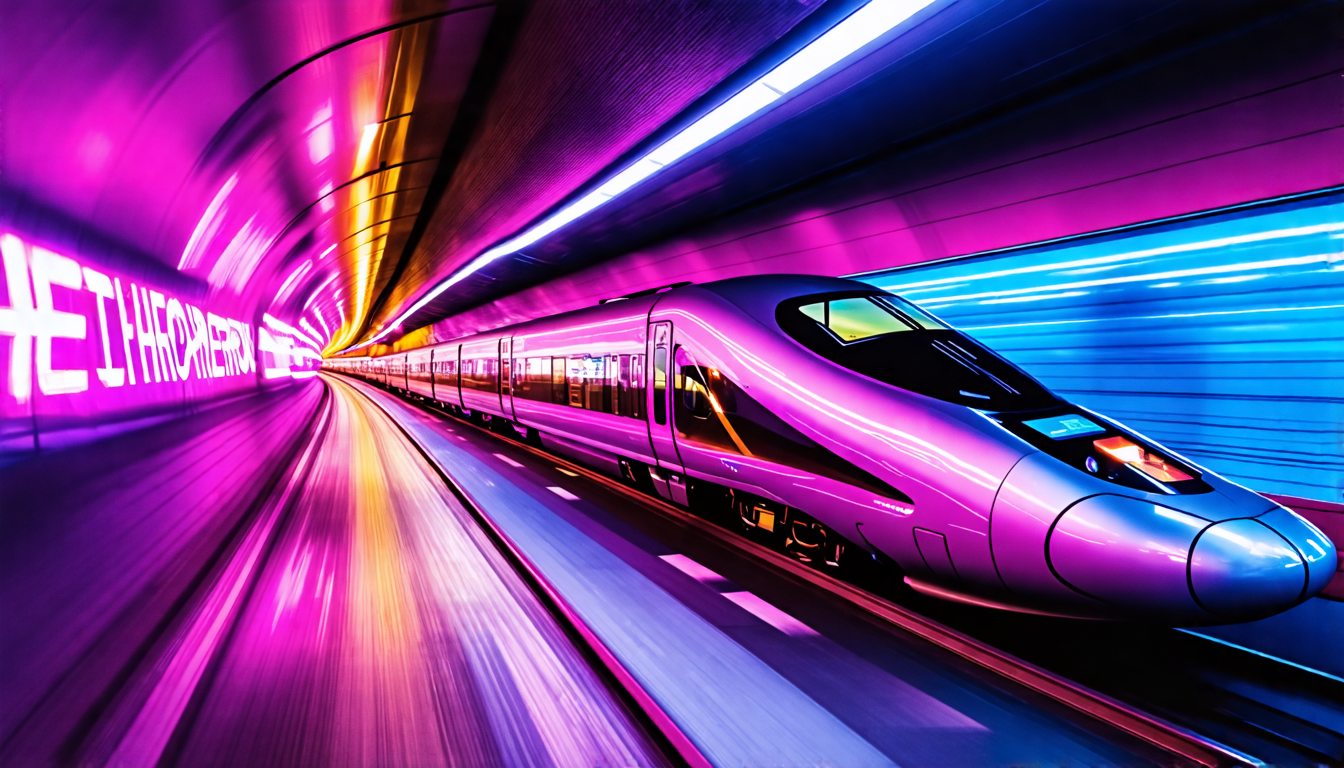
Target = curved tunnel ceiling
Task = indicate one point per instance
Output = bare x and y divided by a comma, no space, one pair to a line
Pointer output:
953,68
326,163
283,156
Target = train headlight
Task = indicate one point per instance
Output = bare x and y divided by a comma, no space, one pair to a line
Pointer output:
1126,451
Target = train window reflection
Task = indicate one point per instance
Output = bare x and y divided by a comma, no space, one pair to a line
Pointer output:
660,375
481,374
863,317
608,383
904,346
712,410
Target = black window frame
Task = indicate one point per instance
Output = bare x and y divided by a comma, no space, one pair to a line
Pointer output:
942,363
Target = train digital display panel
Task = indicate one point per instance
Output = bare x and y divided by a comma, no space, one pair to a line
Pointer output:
1065,427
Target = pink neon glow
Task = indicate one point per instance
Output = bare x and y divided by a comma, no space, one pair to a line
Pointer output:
53,301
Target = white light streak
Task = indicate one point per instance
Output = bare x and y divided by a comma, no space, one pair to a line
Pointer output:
1156,317
318,290
284,327
307,326
322,321
1320,258
206,227
293,276
1017,299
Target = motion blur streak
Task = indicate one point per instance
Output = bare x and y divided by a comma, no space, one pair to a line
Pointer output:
385,629
102,548
274,583
1221,336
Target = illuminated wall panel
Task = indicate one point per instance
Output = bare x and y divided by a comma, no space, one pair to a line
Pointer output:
1221,336
83,347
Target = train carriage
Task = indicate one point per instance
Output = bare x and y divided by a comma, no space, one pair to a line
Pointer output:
843,421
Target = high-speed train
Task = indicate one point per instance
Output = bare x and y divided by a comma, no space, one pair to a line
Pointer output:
844,421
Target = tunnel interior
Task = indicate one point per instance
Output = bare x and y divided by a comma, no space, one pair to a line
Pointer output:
420,382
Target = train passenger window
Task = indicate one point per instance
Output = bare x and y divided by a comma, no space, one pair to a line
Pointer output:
534,379
628,385
889,339
595,383
445,368
712,410
611,392
480,374
574,377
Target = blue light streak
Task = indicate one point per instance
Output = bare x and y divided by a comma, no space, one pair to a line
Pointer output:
1221,336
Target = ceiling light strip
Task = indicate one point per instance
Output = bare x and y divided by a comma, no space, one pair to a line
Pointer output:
855,31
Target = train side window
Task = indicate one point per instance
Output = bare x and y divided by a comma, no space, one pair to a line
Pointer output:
694,412
534,379
595,383
480,374
714,411
489,381
559,390
628,385
446,370
636,394
618,376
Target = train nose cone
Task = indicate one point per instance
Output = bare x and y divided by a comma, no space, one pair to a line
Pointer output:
1128,553
1315,547
1241,569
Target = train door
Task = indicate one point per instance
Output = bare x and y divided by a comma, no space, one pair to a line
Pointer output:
667,477
455,379
406,371
506,377
430,372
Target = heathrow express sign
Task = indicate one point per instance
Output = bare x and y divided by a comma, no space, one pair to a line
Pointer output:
74,329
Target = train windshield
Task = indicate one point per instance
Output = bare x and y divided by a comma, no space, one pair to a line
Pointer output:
889,339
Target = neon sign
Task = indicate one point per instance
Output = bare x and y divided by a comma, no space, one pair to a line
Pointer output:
172,341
